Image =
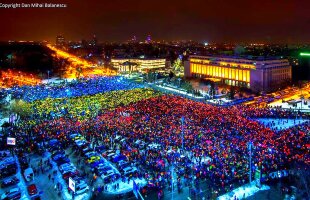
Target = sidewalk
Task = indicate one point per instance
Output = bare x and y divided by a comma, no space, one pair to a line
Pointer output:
124,187
176,92
243,192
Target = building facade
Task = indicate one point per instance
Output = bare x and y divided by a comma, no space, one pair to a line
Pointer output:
137,64
258,75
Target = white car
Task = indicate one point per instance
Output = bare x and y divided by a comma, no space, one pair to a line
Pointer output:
90,154
129,170
110,156
101,166
107,173
108,152
71,169
80,142
65,166
81,188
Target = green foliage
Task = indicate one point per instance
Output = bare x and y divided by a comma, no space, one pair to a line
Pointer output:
22,108
178,66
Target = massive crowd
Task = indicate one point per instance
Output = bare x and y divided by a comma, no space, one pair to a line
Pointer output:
88,105
85,86
216,134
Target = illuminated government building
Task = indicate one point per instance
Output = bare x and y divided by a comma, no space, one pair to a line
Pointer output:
137,64
258,75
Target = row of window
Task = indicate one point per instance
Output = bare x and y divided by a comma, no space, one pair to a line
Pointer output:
221,72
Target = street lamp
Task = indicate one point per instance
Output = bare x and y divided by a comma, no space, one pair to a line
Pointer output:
48,75
250,146
182,121
172,182
179,82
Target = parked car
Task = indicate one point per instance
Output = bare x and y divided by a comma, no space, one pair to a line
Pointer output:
9,182
106,153
86,150
66,176
63,161
107,173
32,189
12,194
128,170
99,166
28,174
100,149
72,169
111,156
23,163
90,154
97,163
93,159
58,156
66,166
8,170
56,152
124,165
81,188
118,158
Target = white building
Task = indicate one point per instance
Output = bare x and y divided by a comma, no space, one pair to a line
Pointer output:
137,64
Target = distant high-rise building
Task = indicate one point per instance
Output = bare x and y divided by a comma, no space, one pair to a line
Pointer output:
93,41
60,41
134,39
148,39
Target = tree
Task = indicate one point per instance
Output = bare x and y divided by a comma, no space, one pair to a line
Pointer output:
239,50
232,92
3,105
171,75
178,67
21,108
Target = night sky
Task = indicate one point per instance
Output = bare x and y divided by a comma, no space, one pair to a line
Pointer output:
273,21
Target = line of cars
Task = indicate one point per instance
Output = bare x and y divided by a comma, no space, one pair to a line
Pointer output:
67,168
9,174
93,158
110,165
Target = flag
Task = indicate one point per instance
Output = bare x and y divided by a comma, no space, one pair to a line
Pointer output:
135,189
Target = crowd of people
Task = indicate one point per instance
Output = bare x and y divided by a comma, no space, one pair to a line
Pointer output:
75,88
201,140
88,105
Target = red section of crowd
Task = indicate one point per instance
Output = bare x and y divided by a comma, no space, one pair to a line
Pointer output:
219,133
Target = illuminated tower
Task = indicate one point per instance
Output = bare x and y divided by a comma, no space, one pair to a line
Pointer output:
93,42
60,41
148,39
134,39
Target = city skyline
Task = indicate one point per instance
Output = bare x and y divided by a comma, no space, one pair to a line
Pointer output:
118,21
